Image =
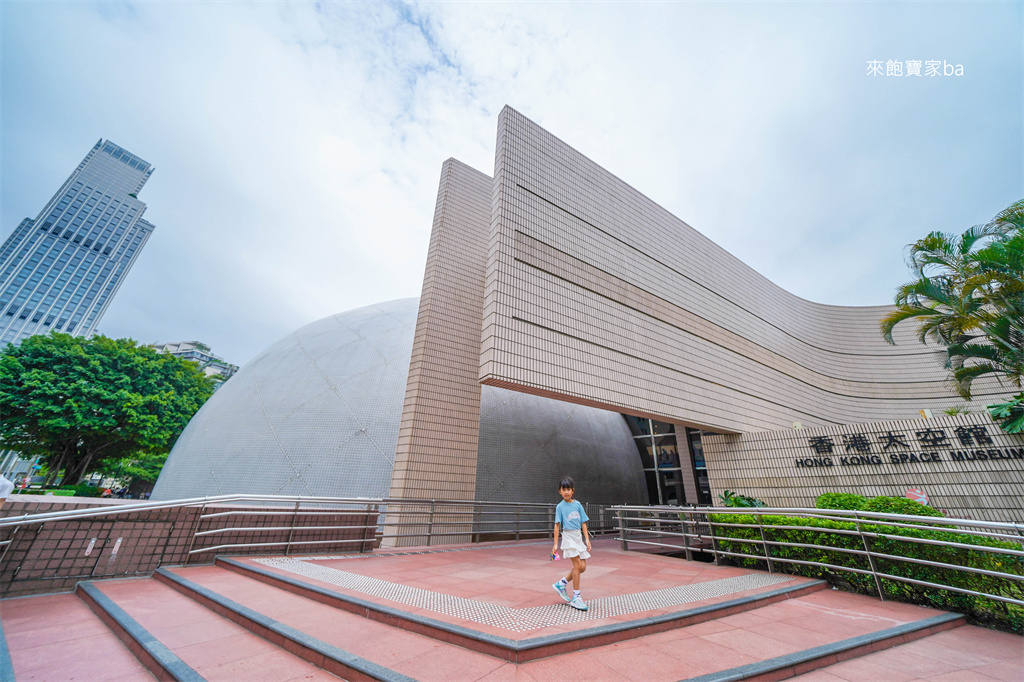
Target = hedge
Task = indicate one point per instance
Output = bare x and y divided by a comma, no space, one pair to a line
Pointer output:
840,501
63,491
84,490
978,609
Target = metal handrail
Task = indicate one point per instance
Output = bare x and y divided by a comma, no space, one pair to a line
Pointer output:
826,514
287,543
396,518
116,510
679,517
1014,531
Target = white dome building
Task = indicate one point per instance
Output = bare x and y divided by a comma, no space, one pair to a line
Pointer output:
317,413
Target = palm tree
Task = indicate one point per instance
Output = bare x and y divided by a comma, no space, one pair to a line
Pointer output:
968,296
939,299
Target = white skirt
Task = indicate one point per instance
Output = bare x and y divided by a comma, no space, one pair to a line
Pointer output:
573,545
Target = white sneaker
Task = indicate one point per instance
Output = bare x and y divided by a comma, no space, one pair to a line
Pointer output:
560,589
577,603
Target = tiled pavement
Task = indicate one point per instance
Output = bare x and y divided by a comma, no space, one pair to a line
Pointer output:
508,591
967,654
57,637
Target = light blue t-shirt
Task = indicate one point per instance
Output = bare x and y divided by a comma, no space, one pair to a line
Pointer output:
570,515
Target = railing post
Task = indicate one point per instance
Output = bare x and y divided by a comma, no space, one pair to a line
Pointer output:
764,544
372,511
686,534
714,538
291,530
517,523
430,526
871,558
623,544
195,529
477,514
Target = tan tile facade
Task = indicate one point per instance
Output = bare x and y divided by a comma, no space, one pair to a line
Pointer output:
437,439
967,465
597,295
589,292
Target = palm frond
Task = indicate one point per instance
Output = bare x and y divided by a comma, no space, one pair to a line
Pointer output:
1010,218
903,312
965,376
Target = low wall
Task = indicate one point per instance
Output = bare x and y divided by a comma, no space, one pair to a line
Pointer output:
966,465
53,556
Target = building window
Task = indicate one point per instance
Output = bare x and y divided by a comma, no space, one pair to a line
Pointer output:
700,467
659,456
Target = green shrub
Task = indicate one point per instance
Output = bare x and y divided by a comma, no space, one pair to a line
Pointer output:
884,540
732,499
840,501
899,505
83,490
1009,415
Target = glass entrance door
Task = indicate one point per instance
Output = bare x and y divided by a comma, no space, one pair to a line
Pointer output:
659,453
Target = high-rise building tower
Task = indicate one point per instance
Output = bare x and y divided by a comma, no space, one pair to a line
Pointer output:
60,270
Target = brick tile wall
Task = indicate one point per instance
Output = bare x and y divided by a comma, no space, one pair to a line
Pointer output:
597,295
54,556
783,469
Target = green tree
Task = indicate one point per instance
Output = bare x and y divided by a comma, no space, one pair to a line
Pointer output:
77,403
141,467
968,296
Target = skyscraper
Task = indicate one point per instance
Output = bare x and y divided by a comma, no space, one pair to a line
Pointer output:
61,270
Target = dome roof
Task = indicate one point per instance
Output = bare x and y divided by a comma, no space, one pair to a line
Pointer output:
317,413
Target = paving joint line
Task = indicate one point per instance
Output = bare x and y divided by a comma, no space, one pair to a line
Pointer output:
387,555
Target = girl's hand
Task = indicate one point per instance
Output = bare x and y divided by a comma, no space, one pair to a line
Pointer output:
554,548
589,548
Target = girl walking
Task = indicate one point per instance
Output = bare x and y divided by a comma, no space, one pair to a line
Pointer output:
571,522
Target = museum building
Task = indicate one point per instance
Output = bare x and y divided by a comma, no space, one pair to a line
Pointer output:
653,366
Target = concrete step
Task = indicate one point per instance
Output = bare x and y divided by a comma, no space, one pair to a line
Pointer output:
319,632
651,612
57,637
177,638
488,613
773,640
968,653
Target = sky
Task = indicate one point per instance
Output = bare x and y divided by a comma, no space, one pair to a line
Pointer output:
298,146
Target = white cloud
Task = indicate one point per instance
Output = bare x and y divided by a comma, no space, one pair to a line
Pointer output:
298,146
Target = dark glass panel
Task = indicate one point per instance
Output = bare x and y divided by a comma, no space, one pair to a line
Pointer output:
652,487
639,427
668,454
662,427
